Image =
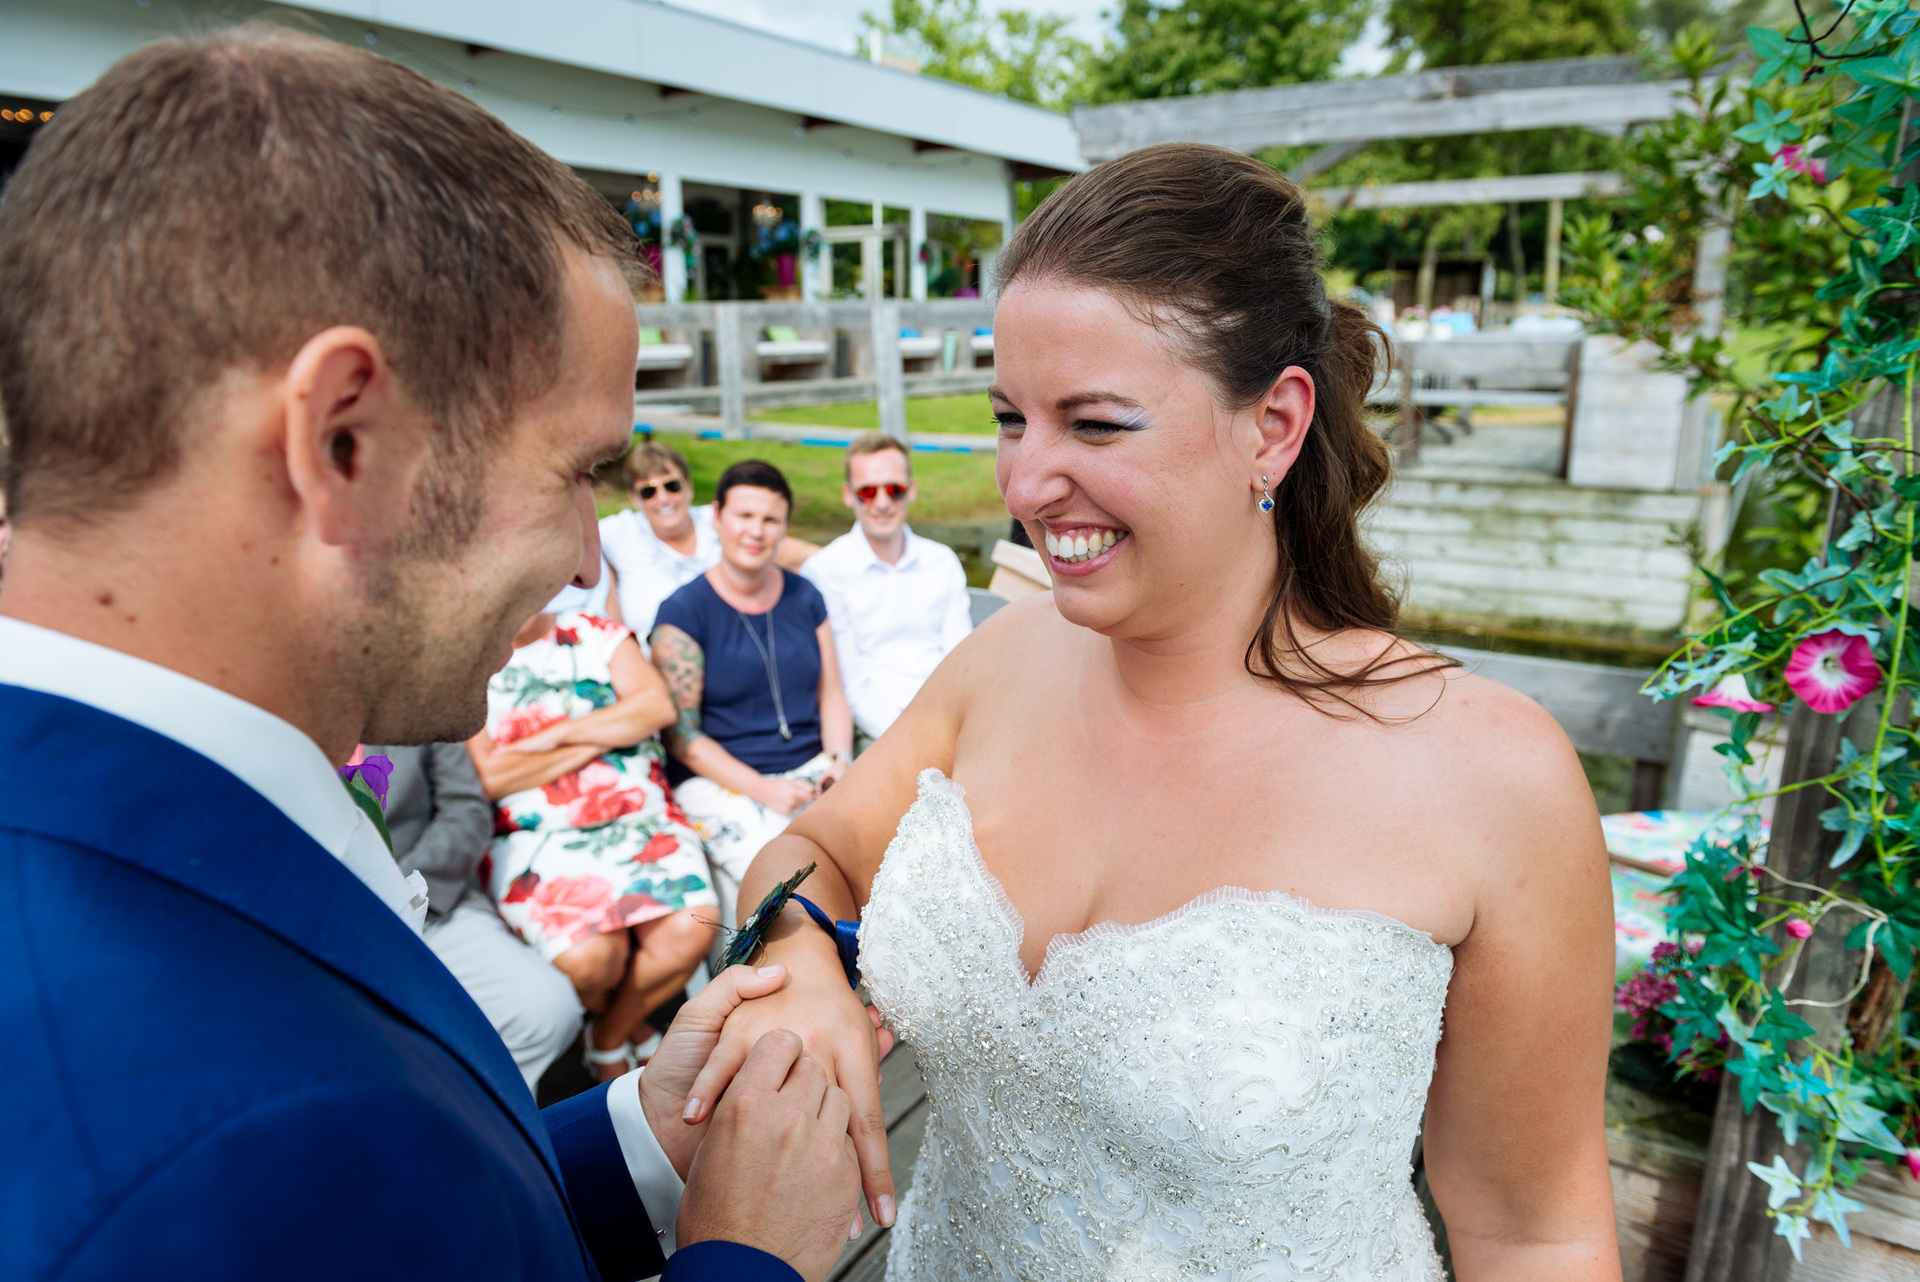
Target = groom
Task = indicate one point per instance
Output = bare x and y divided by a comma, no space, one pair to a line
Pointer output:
305,364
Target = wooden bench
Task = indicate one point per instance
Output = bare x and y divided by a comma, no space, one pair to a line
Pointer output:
783,347
1471,370
657,354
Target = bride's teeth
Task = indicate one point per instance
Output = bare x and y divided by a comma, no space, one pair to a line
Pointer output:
1053,544
1106,539
1079,545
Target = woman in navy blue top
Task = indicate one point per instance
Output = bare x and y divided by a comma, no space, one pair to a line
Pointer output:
746,649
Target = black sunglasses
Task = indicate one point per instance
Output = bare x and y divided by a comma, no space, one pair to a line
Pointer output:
648,491
868,493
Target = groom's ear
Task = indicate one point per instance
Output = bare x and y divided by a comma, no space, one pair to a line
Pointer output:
354,442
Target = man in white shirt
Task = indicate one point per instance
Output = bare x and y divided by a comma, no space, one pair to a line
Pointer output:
898,602
304,512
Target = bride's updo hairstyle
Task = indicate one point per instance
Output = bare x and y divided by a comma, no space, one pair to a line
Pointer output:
1215,248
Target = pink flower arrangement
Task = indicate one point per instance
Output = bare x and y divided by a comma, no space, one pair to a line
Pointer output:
1794,156
1731,692
1832,670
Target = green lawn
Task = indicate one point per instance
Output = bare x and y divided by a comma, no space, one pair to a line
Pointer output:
955,489
943,414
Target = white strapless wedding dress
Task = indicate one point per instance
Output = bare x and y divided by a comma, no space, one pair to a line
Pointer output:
1230,1091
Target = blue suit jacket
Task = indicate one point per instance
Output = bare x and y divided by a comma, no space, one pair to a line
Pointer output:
222,1057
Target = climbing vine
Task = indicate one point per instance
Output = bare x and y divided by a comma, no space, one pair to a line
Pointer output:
1829,108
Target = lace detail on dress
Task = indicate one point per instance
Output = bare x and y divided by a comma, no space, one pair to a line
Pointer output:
1231,1090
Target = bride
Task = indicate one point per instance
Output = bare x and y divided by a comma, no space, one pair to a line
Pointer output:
1169,877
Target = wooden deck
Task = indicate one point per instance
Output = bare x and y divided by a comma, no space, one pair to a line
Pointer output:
903,1102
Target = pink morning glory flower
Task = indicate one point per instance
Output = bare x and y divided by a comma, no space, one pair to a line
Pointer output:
1799,927
1731,692
1794,156
1832,670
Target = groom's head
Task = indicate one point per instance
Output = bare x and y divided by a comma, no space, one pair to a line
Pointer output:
327,330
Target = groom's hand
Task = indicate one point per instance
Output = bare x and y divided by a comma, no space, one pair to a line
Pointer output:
683,1052
777,1170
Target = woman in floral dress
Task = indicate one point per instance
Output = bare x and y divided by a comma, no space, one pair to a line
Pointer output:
593,864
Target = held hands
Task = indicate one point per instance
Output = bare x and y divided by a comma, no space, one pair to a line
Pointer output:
776,1170
677,1122
843,1036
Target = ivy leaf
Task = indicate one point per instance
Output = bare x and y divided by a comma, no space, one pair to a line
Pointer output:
1772,181
1833,1207
1892,226
1897,72
1771,129
1780,1180
1777,56
1794,1229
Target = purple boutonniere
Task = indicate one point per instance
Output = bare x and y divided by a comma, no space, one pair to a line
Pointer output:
374,772
366,782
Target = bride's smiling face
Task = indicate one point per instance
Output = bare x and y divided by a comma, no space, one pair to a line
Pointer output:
1139,488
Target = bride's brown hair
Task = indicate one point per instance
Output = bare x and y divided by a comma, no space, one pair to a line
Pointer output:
1216,248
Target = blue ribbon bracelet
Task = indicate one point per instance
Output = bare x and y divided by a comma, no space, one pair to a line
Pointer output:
846,938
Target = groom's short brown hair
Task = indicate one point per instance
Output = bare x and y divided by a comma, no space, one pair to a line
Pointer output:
212,204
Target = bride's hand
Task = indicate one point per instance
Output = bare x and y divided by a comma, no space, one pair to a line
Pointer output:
839,1033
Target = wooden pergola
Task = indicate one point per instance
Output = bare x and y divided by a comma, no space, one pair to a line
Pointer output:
1606,95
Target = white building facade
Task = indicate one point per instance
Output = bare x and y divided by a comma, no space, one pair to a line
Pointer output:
674,115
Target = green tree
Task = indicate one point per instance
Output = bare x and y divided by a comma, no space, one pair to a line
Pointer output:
1459,33
1027,56
1162,50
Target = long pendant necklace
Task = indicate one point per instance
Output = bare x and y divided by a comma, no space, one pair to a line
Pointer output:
770,656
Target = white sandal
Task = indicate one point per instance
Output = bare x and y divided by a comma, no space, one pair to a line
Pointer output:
621,1054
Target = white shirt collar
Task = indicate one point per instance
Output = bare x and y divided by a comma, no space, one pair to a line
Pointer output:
870,558
269,755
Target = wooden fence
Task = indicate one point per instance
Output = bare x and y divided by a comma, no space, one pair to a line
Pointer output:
724,358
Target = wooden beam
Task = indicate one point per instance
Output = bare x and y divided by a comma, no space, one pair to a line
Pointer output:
1556,215
1324,159
1470,191
1433,104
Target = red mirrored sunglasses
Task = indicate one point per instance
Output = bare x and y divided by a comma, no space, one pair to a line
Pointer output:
868,493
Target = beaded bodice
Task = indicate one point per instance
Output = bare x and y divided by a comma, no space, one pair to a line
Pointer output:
1230,1091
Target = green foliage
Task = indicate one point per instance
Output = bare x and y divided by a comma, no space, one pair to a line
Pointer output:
1027,56
1166,50
1805,169
1459,33
1444,33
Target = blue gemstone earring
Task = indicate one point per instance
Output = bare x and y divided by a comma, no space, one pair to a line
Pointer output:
1266,498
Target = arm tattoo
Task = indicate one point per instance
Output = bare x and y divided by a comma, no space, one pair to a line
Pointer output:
684,665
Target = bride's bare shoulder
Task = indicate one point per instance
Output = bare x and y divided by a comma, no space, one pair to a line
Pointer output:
1463,720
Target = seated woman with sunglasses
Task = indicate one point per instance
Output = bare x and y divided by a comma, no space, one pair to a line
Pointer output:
747,651
898,602
664,541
